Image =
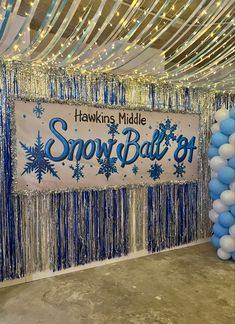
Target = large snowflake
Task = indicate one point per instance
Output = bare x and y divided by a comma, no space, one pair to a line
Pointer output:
113,129
179,169
38,110
135,169
77,171
37,160
107,166
155,171
168,131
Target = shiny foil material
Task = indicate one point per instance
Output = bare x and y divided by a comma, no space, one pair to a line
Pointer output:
57,230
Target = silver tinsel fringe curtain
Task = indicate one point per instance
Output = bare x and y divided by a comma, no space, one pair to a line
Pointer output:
58,230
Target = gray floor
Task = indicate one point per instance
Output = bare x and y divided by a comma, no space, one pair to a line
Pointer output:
185,286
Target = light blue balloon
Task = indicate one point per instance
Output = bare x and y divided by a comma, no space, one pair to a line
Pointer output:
227,126
215,241
226,219
232,210
226,175
231,162
219,139
216,186
232,112
214,196
233,256
219,230
212,151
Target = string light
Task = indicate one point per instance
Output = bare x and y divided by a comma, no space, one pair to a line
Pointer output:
207,51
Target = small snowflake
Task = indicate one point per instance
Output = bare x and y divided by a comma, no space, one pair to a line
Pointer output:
107,166
155,171
37,160
77,171
135,169
169,131
179,169
38,110
113,129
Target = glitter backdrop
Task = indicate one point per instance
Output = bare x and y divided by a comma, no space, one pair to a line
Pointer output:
57,230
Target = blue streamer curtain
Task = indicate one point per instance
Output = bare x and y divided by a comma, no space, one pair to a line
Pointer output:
8,230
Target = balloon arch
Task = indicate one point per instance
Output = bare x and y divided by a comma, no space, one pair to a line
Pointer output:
221,155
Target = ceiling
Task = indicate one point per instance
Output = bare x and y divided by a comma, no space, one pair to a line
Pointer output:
180,41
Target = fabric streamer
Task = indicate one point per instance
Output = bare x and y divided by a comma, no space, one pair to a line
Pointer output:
58,230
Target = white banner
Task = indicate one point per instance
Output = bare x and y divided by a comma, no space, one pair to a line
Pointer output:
61,146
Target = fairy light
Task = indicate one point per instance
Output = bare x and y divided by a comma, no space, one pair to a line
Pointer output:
150,38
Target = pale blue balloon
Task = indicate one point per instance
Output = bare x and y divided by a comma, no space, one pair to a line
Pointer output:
212,151
220,230
233,255
232,112
227,126
226,219
231,162
226,175
216,186
219,139
232,210
215,241
214,196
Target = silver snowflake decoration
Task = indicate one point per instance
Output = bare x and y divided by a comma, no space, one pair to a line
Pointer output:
155,171
107,166
38,110
179,169
169,131
77,171
37,160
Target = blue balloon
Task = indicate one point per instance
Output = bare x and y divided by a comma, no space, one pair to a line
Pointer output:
233,256
219,139
226,219
219,230
227,126
215,241
216,186
214,196
232,210
232,113
213,151
231,162
226,175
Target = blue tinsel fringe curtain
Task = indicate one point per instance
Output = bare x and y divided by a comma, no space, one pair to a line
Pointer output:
59,230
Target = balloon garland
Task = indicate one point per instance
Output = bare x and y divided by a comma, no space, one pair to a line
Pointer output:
222,184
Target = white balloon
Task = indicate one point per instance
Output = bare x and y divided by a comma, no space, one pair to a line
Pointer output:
232,139
232,186
232,231
227,243
214,174
217,162
223,255
219,207
228,197
227,151
215,128
213,216
221,114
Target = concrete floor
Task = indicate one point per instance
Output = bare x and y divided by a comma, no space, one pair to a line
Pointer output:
185,286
